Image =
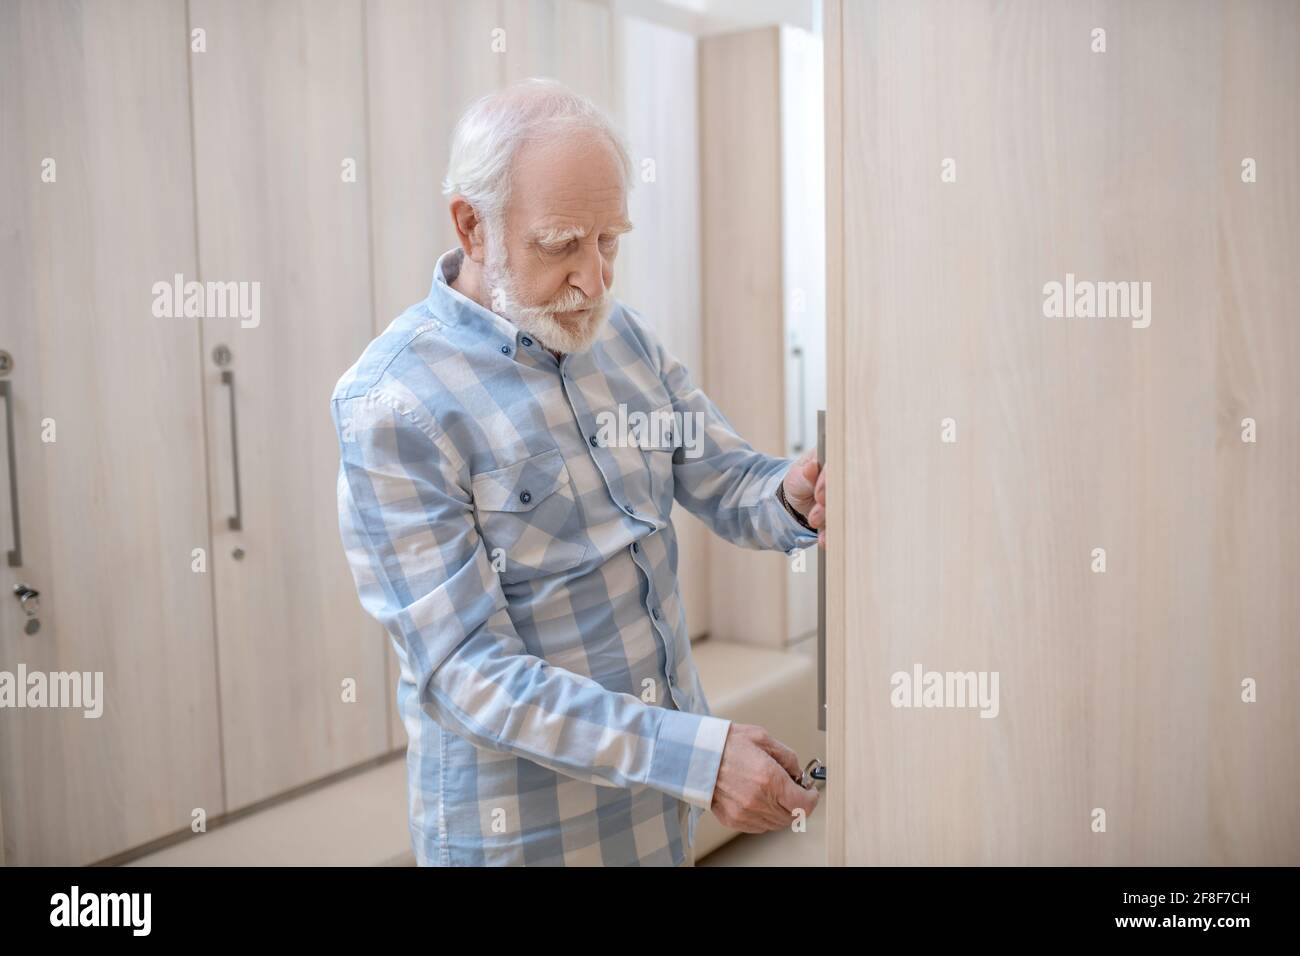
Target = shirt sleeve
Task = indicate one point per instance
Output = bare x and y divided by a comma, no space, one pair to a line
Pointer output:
423,571
717,475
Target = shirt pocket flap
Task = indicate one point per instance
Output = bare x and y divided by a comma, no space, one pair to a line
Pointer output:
522,485
662,431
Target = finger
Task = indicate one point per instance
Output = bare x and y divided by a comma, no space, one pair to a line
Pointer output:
775,814
816,516
797,484
793,796
787,758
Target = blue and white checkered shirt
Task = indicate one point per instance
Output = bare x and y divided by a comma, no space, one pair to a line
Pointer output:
518,549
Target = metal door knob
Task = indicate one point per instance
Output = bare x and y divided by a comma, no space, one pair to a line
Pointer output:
28,598
816,770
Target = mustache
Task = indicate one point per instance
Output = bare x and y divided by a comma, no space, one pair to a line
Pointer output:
572,300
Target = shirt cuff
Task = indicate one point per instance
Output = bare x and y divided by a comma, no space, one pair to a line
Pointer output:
687,754
799,536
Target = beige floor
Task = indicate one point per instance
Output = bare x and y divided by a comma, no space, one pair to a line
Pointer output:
778,848
365,817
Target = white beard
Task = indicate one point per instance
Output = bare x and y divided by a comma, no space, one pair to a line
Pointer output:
575,335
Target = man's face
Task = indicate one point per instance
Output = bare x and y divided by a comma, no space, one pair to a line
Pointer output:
550,269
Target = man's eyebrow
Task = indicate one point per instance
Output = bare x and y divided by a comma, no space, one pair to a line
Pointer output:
557,235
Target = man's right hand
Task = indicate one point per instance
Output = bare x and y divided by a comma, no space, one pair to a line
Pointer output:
756,790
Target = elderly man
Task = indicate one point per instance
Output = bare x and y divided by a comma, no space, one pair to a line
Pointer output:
512,534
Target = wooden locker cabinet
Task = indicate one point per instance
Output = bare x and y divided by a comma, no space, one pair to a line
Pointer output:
1119,691
112,509
272,135
209,438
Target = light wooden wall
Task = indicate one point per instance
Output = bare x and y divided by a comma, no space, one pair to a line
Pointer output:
113,507
659,266
228,165
744,331
1121,690
279,106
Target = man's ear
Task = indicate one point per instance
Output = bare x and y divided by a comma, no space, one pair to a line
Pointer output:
469,228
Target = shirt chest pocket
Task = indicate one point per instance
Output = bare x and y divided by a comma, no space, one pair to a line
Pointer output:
529,517
659,448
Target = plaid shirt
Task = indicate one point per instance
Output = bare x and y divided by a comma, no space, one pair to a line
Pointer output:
518,548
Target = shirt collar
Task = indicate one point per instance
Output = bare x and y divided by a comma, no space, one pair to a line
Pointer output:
451,305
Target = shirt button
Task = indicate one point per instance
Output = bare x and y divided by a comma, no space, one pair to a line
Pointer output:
505,350
525,496
635,546
593,441
628,509
526,340
655,612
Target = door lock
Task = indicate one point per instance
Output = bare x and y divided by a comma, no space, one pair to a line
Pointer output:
29,599
816,770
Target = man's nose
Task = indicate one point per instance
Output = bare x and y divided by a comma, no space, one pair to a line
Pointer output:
589,274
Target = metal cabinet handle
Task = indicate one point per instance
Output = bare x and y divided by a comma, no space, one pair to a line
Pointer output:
236,521
15,553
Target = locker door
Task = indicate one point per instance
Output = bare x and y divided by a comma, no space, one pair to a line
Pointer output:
1065,498
282,165
103,497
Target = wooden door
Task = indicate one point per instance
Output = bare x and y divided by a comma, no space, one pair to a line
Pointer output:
744,325
281,159
107,415
658,268
984,452
567,40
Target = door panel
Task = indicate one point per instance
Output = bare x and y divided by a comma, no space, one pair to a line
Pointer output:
1119,690
567,40
744,332
108,433
279,109
658,267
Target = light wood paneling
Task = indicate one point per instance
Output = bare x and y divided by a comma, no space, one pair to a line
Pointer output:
744,339
414,101
278,107
658,267
567,40
113,508
834,555
1122,690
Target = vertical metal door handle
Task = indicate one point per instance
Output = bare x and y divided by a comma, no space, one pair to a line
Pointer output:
236,521
821,588
16,553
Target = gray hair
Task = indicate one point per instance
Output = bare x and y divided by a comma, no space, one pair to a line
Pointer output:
491,130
